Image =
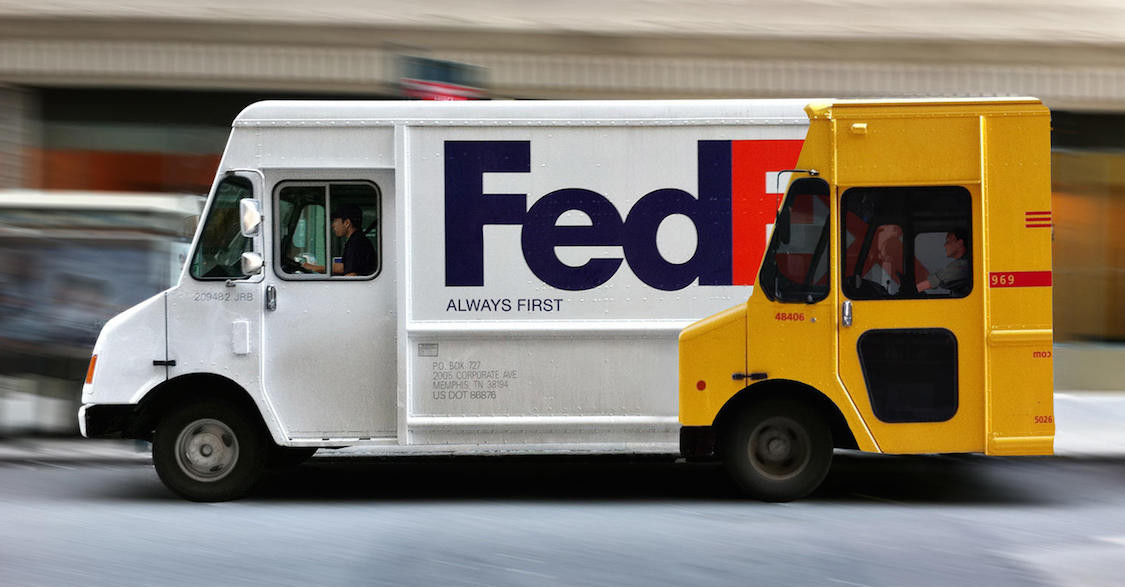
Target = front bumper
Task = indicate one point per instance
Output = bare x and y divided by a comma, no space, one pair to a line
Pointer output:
106,420
697,442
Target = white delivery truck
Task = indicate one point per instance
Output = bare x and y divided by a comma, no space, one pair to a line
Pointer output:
534,265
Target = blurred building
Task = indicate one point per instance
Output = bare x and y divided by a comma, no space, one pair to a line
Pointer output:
138,96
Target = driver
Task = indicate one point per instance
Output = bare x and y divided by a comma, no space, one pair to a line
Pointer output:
954,276
359,254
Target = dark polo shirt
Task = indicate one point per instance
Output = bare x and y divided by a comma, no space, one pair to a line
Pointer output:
359,255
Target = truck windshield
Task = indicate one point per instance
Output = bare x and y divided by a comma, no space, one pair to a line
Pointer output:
795,268
218,254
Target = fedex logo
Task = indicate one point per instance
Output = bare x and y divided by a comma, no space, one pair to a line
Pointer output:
730,211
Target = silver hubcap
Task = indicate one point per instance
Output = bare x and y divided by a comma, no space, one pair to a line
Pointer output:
207,450
779,448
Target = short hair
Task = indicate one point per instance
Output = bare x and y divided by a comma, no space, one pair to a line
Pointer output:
961,234
349,212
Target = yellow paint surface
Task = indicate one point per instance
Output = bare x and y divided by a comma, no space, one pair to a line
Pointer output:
999,152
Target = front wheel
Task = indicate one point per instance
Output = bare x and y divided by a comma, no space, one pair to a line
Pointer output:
210,451
778,450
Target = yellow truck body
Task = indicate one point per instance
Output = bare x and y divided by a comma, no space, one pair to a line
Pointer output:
842,327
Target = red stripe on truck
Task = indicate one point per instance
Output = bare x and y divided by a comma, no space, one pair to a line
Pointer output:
1019,279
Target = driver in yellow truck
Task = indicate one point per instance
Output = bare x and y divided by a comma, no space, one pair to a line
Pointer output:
955,275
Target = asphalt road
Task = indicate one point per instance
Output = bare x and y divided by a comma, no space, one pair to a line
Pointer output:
878,520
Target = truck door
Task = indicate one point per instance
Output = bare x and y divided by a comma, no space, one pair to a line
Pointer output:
910,342
329,360
214,314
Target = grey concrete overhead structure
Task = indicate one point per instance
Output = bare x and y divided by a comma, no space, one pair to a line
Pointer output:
1070,55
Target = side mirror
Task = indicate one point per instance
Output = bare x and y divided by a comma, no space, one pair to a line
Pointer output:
250,215
251,262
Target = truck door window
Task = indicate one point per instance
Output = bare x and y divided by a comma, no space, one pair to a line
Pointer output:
302,228
795,268
218,254
307,244
929,249
895,243
365,198
911,374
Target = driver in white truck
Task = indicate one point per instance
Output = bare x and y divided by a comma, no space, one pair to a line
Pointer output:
359,254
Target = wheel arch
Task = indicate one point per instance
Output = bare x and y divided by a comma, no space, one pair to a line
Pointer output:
842,435
190,388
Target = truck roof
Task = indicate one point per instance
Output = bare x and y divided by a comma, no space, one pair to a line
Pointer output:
577,112
967,106
571,112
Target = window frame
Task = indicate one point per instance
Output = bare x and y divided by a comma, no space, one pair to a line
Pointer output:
327,185
911,229
822,249
205,221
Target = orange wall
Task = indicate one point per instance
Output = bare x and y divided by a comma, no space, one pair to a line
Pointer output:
1089,245
121,171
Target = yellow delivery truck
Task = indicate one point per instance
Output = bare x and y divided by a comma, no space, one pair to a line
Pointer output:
903,304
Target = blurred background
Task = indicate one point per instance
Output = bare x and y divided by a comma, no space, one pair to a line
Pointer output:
113,117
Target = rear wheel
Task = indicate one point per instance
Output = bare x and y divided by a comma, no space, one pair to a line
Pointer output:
209,451
778,450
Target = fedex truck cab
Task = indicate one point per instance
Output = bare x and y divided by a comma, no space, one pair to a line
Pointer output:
578,277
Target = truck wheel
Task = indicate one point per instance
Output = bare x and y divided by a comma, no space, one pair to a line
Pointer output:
778,450
286,457
210,451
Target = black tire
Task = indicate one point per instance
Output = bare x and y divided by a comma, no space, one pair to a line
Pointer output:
778,450
209,451
287,457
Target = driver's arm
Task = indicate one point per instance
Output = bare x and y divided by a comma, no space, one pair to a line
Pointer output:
337,268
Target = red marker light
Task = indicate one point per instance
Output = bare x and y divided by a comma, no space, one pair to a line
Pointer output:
701,385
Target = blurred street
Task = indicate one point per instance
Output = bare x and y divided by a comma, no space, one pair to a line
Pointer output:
116,132
95,512
877,521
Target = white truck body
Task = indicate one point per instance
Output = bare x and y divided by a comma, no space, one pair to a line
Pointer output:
460,341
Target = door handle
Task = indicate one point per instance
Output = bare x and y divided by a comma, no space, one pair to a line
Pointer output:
847,313
271,297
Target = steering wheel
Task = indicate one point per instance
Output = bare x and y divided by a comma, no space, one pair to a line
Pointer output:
909,289
870,290
292,266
